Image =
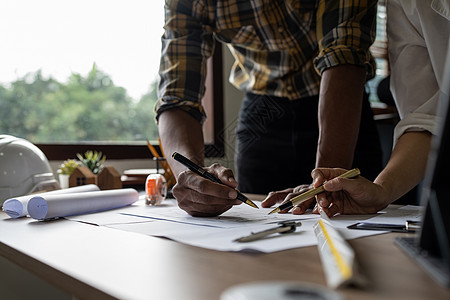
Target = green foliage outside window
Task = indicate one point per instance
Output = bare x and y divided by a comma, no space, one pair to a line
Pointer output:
85,108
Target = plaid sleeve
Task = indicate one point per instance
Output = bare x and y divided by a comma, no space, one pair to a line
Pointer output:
345,31
186,44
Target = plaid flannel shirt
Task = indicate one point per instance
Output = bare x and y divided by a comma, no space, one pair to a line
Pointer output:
280,46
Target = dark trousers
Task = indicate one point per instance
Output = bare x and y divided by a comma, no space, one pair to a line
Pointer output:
276,143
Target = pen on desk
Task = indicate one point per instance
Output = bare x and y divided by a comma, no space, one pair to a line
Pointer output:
307,195
202,172
283,228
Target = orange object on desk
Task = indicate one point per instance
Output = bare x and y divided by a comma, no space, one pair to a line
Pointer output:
155,189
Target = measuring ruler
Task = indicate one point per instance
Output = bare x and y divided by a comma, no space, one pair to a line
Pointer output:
337,256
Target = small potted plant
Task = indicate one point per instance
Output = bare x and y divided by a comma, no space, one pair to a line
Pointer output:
93,160
65,170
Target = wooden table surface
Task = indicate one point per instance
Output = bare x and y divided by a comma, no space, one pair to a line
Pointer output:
92,262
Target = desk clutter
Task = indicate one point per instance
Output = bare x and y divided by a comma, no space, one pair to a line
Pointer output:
125,210
222,232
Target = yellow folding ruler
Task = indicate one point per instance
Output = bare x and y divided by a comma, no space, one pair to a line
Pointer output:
337,256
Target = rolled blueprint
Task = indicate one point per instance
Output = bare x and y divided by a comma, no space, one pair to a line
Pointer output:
17,207
54,206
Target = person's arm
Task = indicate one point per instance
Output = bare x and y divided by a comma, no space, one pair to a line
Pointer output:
405,169
186,46
195,194
345,31
416,91
339,114
181,133
406,166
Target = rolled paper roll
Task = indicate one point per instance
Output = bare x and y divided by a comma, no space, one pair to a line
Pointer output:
17,207
54,206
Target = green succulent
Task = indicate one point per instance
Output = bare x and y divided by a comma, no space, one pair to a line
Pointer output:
93,160
68,166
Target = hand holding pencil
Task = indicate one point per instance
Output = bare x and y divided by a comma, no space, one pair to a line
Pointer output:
201,172
311,193
205,191
347,196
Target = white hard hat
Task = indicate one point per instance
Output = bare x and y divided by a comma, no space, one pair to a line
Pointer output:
24,169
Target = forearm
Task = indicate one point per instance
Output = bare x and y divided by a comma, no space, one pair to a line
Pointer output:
406,166
340,102
180,132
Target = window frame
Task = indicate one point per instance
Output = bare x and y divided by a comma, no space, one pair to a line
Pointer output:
139,150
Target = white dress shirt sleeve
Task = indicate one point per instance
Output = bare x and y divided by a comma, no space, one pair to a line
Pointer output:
414,82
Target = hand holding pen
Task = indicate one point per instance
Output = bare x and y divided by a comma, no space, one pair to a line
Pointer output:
311,193
211,197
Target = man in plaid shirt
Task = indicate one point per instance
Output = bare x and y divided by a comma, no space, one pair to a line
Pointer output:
303,66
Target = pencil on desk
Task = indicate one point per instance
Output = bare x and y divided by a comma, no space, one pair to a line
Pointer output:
309,194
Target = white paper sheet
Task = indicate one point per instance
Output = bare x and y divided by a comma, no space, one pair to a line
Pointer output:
54,206
398,215
17,207
238,216
219,233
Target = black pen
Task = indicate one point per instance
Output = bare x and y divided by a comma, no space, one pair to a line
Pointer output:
202,172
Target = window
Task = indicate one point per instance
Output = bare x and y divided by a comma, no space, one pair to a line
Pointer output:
80,75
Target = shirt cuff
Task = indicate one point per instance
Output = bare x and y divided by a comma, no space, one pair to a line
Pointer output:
416,122
340,55
195,109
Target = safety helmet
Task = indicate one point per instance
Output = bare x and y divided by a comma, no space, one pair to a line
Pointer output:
24,169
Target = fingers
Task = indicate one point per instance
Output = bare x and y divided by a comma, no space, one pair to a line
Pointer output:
302,207
275,197
330,202
332,210
224,174
339,184
322,200
320,175
201,197
326,176
286,195
200,205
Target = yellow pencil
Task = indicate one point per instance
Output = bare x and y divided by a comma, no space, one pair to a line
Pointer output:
164,164
309,194
152,149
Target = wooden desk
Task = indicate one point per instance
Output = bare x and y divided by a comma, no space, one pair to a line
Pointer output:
91,262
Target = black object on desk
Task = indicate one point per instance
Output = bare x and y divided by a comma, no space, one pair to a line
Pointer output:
409,226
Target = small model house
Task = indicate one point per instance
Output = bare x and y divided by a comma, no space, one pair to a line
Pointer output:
81,176
109,179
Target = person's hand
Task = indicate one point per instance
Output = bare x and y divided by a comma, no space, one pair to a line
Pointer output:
288,194
201,197
347,196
